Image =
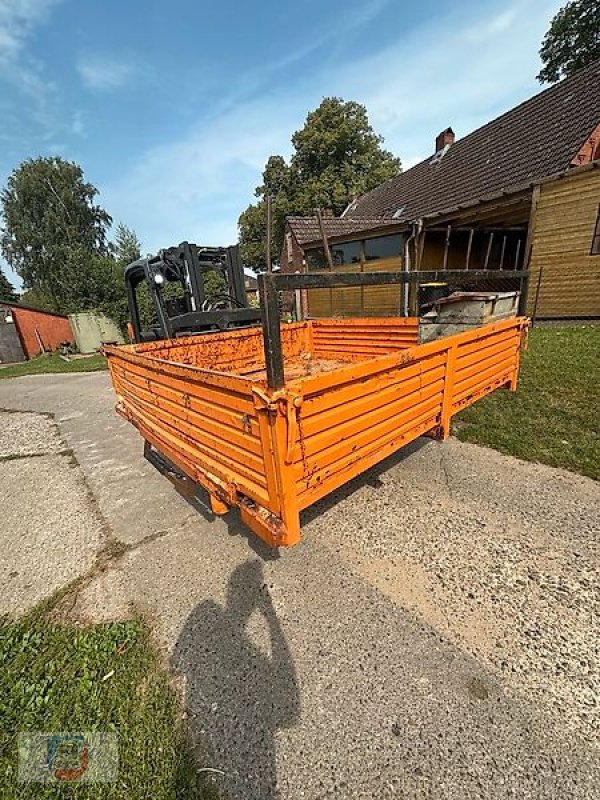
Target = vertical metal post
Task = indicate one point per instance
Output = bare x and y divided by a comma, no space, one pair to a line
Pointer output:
190,254
469,246
447,247
524,291
421,249
235,273
269,224
325,240
517,253
502,252
135,312
269,303
298,303
488,251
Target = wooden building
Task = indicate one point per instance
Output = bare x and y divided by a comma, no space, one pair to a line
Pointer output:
521,191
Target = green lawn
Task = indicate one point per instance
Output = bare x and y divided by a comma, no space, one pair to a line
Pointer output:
554,417
62,678
54,363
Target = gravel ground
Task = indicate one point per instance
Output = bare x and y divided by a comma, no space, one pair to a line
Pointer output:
514,580
24,434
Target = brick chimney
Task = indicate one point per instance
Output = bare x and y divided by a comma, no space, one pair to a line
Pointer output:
443,139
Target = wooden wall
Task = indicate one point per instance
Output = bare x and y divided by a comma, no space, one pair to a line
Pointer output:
365,301
561,240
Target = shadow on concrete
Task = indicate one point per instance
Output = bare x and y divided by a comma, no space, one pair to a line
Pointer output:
240,684
199,499
370,477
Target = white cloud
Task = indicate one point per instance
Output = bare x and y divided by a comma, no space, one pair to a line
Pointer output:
18,67
17,18
78,124
493,26
196,187
105,72
478,69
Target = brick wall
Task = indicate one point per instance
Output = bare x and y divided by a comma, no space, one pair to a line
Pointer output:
53,329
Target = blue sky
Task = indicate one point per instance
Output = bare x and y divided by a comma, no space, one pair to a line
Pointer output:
172,107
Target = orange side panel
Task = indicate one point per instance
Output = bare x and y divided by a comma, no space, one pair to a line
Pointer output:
363,338
227,351
353,418
214,426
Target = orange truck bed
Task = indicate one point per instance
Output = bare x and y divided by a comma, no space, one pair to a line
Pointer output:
355,391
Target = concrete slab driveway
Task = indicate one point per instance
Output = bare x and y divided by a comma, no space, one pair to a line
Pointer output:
434,635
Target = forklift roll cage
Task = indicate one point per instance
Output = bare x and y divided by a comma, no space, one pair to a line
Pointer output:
187,265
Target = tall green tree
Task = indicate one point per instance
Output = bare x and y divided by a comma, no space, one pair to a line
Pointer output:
54,230
572,41
7,290
337,155
127,247
110,274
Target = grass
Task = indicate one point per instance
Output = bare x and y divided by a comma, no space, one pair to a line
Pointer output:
554,418
52,362
59,677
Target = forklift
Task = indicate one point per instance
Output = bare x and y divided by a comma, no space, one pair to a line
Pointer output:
167,294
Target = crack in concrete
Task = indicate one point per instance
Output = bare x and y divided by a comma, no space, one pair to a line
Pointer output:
445,473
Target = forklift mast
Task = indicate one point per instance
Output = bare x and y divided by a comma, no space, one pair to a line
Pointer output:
175,282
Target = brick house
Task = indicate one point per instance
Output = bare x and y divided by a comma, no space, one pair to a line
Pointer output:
521,191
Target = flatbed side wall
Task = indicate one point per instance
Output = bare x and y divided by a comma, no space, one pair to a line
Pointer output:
208,424
358,339
479,366
227,351
347,427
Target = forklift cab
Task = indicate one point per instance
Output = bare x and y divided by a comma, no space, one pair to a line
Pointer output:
169,296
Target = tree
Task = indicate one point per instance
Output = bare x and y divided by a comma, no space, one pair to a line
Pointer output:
53,230
31,297
7,290
127,247
337,155
572,41
110,294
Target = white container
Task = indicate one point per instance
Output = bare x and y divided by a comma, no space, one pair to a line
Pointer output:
464,310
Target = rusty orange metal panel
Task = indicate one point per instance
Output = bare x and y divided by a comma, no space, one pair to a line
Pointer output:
356,390
212,424
362,338
229,351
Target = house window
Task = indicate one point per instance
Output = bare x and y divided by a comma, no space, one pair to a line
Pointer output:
383,247
595,251
315,259
346,253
